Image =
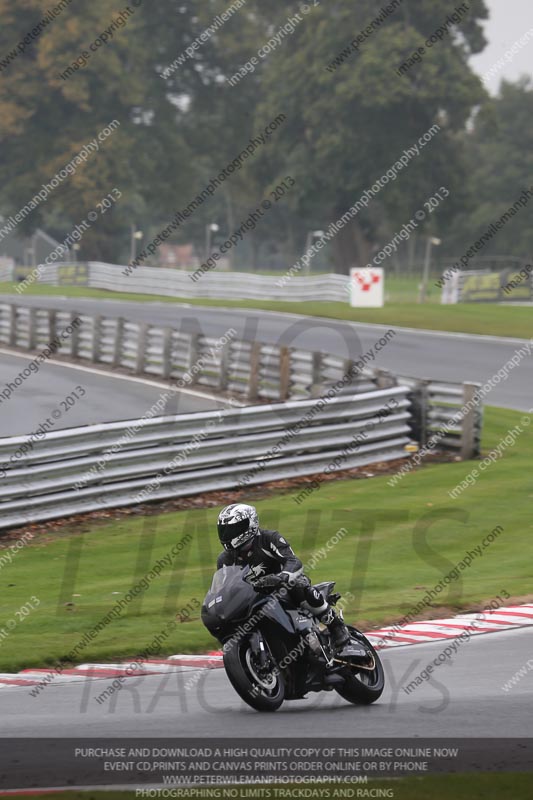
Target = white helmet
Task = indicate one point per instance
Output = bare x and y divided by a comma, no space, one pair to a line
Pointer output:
237,525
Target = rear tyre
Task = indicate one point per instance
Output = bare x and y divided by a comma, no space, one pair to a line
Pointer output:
262,689
363,686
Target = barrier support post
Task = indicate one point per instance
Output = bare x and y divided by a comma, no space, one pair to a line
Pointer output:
32,329
118,343
224,366
255,363
141,348
468,432
74,336
316,383
97,339
284,372
166,366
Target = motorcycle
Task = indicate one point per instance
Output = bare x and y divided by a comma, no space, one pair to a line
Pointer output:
275,651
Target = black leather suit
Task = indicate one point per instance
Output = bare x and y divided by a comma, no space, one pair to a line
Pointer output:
270,554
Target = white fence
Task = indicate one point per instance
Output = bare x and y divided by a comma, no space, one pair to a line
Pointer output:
219,285
6,271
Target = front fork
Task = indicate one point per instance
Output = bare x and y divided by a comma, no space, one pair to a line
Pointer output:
257,644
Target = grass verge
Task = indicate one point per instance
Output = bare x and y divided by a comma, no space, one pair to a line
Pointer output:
474,318
493,786
400,541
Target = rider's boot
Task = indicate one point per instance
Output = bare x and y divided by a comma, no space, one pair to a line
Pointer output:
338,630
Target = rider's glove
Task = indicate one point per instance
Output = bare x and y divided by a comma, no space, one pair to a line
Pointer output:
267,582
288,578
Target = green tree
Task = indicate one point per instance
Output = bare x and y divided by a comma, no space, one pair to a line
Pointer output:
345,126
351,122
500,157
46,120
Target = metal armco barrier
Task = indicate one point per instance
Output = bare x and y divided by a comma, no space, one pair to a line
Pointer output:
447,413
251,370
114,465
444,403
220,285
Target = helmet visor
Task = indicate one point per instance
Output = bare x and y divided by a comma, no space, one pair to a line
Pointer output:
229,531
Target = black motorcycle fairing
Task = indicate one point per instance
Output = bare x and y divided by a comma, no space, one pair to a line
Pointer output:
302,620
232,600
229,598
273,611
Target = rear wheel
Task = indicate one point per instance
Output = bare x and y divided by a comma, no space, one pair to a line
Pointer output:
261,686
364,681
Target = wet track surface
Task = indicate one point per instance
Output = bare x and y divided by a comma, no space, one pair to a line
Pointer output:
417,353
464,698
107,398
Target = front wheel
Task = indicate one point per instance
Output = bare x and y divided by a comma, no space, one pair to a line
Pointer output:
364,684
262,687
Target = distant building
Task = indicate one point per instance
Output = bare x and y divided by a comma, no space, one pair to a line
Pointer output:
178,256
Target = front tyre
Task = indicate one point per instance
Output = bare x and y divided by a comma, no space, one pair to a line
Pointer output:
262,688
363,686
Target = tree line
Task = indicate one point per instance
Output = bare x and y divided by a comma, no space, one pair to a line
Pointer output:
193,85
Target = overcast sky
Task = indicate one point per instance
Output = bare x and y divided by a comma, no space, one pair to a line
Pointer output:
509,21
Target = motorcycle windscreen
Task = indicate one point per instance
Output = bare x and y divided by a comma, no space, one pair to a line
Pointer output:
229,597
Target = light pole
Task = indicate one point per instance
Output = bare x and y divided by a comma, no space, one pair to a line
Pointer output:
308,242
209,229
34,250
135,237
431,240
75,249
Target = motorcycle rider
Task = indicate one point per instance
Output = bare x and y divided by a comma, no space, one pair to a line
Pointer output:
268,553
